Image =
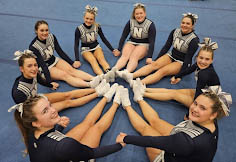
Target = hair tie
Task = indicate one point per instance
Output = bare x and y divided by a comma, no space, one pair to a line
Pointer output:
138,4
93,9
18,107
207,42
195,16
18,54
225,98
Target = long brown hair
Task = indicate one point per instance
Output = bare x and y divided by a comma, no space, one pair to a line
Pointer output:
24,122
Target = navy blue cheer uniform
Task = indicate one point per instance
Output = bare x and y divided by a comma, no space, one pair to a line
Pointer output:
184,47
24,88
143,33
54,146
205,77
187,142
44,50
88,36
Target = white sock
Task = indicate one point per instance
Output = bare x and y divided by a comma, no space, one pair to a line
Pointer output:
137,92
117,98
99,89
111,92
141,85
127,76
125,97
95,81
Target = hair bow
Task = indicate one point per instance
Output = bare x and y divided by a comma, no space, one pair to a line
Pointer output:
195,16
18,54
225,98
207,42
93,9
18,107
139,4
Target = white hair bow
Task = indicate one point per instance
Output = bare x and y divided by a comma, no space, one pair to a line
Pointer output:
94,9
207,42
18,54
139,4
18,107
195,16
225,98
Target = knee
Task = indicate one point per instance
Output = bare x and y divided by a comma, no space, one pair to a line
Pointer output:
67,95
154,65
97,128
65,75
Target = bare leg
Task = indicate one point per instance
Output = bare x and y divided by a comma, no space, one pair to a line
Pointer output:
93,136
137,54
184,96
144,129
88,56
153,118
61,96
64,66
126,52
160,62
170,69
58,74
101,59
78,131
59,106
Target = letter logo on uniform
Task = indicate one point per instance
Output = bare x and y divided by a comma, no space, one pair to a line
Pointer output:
48,51
90,37
138,32
178,43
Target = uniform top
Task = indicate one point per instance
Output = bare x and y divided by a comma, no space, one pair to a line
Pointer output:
144,32
184,46
44,50
24,88
197,143
205,77
54,146
88,36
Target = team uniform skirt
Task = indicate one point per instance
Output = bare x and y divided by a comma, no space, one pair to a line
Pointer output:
88,49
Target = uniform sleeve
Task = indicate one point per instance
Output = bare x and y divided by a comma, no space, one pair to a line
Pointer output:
18,96
151,38
202,81
124,35
70,149
76,44
170,144
60,52
42,64
105,41
186,71
167,45
43,82
193,46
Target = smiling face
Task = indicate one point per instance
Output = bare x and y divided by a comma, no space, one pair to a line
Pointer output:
201,110
89,18
29,68
204,59
139,14
186,25
47,116
42,31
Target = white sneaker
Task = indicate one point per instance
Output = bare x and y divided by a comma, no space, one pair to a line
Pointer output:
111,92
95,81
125,97
117,98
101,88
137,92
